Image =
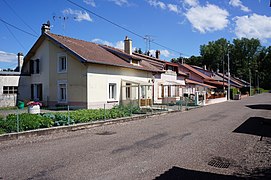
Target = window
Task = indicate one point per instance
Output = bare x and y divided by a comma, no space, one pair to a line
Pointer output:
10,89
112,91
62,63
128,90
143,92
36,92
134,62
62,92
35,66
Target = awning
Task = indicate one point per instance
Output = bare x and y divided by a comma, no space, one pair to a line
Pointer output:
189,81
141,83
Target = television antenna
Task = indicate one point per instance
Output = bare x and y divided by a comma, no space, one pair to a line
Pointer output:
148,39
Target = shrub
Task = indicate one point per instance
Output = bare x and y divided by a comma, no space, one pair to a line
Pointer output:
26,122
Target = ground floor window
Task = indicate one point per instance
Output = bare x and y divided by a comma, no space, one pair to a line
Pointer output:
10,89
36,92
112,91
62,92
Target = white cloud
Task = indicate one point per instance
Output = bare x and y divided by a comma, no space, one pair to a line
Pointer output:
7,57
157,3
120,2
238,3
164,6
253,26
173,8
78,15
207,18
90,2
192,3
118,44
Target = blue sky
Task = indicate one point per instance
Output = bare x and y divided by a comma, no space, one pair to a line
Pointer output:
181,25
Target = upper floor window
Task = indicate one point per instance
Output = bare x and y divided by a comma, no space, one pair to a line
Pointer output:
35,66
62,63
10,89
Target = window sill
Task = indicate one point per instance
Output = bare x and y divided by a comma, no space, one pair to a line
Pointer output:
112,101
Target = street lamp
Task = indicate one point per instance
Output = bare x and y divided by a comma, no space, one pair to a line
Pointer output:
229,90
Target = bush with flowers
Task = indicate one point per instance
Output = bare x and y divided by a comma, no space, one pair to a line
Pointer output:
34,103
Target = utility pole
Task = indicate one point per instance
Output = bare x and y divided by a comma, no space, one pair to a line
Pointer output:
229,87
249,79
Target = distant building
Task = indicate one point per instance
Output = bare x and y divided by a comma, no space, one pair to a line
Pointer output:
9,80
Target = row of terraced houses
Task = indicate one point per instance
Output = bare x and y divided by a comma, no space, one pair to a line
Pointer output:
60,70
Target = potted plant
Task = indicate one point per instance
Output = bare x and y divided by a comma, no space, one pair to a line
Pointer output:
34,107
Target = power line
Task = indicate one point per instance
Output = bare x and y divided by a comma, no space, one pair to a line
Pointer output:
15,37
121,27
6,23
20,17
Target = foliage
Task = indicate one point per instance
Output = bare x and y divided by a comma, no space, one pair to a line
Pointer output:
26,122
247,57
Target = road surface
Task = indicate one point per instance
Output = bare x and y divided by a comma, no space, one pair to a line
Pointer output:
230,140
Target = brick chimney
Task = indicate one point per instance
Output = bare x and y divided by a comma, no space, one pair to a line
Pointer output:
128,45
45,27
20,61
157,54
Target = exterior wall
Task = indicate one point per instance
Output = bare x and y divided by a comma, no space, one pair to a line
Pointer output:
7,100
49,77
168,76
75,77
99,77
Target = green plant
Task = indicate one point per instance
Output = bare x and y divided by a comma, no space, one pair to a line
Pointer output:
26,122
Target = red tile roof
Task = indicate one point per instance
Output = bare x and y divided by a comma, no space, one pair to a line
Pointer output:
89,52
189,81
190,68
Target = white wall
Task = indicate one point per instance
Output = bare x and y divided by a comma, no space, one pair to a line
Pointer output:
99,77
7,100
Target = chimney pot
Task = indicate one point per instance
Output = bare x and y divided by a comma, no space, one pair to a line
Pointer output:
45,27
128,45
157,54
20,61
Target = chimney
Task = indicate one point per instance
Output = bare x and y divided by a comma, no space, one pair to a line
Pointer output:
20,61
45,27
157,54
204,67
182,61
128,45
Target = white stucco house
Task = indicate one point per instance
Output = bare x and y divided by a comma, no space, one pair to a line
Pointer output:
65,71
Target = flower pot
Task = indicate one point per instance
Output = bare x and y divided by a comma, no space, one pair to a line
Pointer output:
34,109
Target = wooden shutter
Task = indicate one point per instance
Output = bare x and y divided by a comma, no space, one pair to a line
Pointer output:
162,95
31,67
37,66
32,91
40,92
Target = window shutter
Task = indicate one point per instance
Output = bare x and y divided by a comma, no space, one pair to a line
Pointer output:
40,92
32,91
31,67
38,66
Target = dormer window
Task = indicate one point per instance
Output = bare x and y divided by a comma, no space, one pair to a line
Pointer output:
134,62
62,63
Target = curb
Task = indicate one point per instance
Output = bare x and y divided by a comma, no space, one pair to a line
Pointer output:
76,127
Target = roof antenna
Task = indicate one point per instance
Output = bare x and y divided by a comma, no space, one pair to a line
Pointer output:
63,19
148,39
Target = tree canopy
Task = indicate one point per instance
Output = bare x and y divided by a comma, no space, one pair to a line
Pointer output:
247,58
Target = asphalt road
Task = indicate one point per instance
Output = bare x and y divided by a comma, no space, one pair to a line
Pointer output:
221,141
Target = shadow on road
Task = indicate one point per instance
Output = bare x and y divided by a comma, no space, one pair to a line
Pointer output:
260,106
180,173
258,126
187,174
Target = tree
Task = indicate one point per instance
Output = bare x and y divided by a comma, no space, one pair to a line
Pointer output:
214,53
